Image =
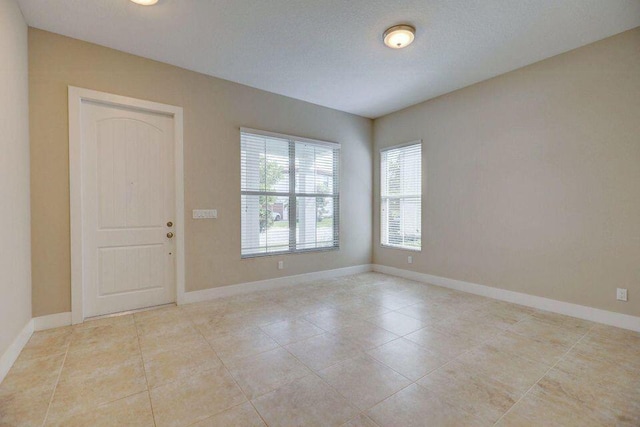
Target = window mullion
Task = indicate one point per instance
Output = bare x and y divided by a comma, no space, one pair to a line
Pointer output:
292,196
402,219
336,198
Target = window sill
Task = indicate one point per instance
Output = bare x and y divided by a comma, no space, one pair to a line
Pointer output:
298,252
402,248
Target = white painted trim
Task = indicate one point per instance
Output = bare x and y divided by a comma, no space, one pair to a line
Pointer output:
52,321
404,144
580,311
75,201
333,145
76,97
280,282
11,354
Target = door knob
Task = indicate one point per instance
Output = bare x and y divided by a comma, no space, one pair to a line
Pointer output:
169,224
169,234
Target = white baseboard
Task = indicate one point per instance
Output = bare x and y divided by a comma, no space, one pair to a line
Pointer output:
12,353
36,324
280,282
51,321
580,311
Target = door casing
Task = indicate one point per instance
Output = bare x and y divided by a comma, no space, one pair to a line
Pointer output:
76,97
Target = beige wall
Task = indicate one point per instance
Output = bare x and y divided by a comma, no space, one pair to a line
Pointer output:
531,180
214,110
15,248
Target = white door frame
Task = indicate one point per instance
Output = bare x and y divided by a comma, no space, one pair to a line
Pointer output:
76,97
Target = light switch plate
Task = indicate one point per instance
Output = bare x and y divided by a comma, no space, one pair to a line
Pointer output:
205,213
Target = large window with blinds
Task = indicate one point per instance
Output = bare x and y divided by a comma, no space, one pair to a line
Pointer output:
289,194
401,196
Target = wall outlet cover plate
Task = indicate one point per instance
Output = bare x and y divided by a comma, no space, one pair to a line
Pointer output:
621,294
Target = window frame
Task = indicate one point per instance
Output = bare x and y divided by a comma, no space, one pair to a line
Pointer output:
293,195
384,198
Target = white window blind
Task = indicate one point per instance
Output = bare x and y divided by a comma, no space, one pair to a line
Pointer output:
401,196
289,194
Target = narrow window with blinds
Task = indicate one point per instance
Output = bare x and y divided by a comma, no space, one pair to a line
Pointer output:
401,196
289,194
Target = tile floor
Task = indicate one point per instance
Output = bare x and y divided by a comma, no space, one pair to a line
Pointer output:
364,350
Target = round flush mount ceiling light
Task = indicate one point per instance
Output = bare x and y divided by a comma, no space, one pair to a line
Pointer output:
399,36
145,2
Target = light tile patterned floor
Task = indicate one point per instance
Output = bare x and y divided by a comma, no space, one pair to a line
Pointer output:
363,350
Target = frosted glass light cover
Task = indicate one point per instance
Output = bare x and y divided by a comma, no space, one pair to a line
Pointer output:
399,36
145,2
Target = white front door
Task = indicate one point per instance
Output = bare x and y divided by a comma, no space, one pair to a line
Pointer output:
128,208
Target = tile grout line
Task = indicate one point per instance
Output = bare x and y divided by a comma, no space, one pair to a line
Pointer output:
415,382
144,369
311,370
317,375
64,360
544,375
101,404
362,413
330,332
334,332
434,370
365,352
229,373
525,317
226,369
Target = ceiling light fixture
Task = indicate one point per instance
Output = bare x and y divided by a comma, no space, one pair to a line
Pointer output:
399,36
145,2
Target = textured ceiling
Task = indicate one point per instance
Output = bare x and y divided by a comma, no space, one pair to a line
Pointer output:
330,52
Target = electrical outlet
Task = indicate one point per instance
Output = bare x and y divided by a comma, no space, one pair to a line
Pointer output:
410,259
280,265
621,294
